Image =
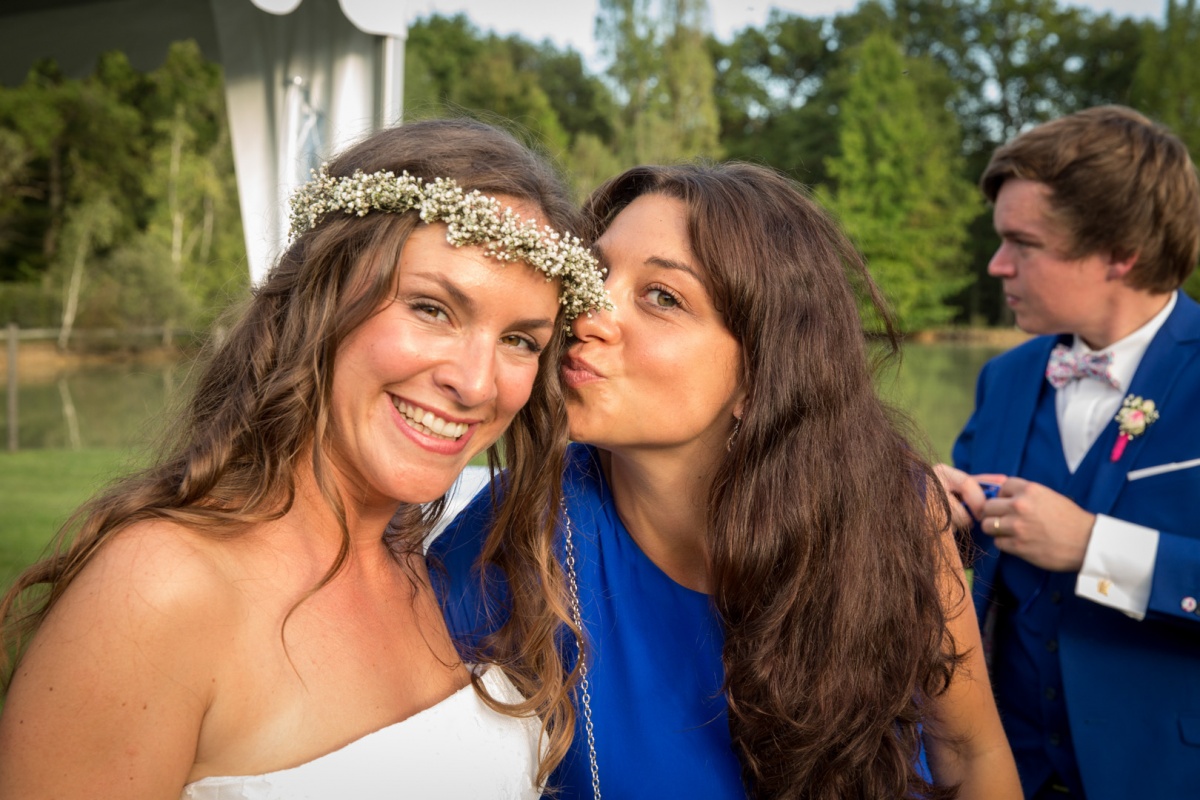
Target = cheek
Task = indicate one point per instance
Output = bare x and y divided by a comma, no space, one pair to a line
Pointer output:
514,385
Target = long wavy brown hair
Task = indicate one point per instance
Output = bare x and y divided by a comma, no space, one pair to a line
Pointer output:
825,552
262,405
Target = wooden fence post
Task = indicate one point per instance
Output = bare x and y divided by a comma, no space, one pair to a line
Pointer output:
12,387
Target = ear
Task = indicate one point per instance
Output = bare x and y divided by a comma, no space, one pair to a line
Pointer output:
739,405
1119,267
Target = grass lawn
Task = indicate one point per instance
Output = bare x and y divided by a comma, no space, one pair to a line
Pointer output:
40,488
38,491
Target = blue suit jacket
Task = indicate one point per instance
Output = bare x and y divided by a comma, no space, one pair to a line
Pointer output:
1132,688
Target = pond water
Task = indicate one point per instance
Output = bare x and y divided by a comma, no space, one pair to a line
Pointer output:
109,406
934,385
124,406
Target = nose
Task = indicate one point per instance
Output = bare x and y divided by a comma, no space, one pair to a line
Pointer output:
468,373
596,325
1001,265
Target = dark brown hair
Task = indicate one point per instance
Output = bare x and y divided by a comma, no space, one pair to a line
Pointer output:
262,404
1119,184
824,552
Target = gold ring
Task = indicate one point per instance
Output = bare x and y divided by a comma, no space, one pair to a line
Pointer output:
995,524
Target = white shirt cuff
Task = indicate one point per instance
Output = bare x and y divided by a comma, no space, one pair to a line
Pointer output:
1118,566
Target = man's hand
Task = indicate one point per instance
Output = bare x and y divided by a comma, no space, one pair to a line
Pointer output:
964,493
1039,525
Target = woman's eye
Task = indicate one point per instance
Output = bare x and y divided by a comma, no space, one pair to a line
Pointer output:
431,310
662,298
523,342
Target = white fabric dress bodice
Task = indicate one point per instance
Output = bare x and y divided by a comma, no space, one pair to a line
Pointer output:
456,749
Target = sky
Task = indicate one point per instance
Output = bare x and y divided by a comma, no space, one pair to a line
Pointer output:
572,22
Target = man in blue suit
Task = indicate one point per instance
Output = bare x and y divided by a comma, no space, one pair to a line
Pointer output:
1087,575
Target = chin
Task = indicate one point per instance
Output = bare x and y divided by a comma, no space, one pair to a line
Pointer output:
582,435
576,430
1033,327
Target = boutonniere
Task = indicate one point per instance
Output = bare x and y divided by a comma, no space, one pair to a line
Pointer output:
1135,416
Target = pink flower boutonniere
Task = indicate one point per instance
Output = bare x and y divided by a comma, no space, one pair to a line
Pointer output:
1135,416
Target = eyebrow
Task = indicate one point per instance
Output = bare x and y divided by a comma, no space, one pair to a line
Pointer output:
1017,232
464,300
669,263
654,261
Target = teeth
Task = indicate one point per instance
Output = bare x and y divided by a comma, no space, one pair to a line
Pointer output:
428,423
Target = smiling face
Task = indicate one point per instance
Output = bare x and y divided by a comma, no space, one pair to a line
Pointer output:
660,371
1047,290
438,372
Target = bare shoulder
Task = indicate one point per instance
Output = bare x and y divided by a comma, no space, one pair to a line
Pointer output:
153,579
115,684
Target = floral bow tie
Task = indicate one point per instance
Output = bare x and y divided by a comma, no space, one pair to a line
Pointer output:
1066,366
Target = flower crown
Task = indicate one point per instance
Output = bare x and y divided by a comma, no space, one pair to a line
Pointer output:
471,218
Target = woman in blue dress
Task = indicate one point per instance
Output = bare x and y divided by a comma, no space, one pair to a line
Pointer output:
770,600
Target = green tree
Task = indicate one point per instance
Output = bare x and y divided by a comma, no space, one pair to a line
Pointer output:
664,78
120,200
93,182
897,183
192,242
34,119
689,78
773,95
546,93
1167,82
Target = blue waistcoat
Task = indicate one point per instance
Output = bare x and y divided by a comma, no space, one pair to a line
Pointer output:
1026,669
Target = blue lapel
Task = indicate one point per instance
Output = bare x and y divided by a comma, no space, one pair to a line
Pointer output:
1002,440
1156,376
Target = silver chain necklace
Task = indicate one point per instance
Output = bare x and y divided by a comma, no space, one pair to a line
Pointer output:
584,686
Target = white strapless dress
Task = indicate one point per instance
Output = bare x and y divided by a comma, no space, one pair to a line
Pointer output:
454,750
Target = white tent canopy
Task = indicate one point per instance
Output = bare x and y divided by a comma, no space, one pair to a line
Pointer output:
303,78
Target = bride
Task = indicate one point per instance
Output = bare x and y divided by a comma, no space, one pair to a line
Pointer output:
240,619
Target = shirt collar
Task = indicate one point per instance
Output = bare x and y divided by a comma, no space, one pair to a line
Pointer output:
1127,353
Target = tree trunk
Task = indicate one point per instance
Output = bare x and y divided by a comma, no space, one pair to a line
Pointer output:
173,202
71,306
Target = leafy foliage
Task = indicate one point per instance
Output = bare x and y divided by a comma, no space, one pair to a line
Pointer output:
119,201
663,77
897,182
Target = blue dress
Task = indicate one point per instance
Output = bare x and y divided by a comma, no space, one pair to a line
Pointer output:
660,719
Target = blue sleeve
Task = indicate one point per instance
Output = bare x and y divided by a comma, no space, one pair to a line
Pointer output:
960,455
1176,580
472,602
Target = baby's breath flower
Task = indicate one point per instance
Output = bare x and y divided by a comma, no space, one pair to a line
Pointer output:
471,218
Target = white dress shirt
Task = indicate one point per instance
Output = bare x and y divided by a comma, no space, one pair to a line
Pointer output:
1118,566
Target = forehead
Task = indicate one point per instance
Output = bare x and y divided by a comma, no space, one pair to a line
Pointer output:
427,255
652,222
1024,203
527,210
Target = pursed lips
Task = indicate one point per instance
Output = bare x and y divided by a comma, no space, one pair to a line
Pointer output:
576,371
427,422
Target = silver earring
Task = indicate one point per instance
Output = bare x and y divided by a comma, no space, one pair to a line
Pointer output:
737,425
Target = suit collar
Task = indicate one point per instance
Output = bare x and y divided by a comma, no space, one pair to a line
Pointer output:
1005,436
1184,322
